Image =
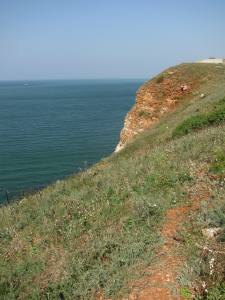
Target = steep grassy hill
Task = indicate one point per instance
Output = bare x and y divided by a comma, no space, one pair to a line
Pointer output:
95,233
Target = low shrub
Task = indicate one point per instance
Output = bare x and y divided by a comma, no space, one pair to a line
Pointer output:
144,114
217,292
201,120
218,164
189,125
217,218
160,79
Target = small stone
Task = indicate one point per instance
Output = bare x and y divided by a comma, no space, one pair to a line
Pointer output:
184,87
202,95
179,239
211,232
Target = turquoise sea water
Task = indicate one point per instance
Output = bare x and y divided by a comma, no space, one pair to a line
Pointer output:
52,129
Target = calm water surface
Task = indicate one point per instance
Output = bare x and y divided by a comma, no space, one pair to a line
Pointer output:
51,129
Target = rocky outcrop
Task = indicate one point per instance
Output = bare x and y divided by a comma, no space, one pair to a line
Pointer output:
157,97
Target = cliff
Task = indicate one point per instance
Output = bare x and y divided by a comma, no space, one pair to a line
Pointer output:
161,95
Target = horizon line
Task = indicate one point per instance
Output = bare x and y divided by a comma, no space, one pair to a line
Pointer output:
52,79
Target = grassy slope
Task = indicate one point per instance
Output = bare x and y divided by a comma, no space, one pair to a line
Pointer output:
97,230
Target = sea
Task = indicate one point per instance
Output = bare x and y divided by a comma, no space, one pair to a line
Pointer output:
51,129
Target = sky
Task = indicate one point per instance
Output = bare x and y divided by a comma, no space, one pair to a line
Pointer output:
73,39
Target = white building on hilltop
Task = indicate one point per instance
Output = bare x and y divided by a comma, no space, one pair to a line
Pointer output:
212,60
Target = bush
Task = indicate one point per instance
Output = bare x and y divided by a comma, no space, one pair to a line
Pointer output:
160,79
218,164
202,120
189,125
144,114
215,293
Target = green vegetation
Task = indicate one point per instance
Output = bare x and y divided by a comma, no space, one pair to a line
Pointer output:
202,120
206,257
144,114
186,293
99,225
95,232
160,78
216,293
218,164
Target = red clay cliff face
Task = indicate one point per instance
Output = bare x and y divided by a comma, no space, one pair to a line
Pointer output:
155,98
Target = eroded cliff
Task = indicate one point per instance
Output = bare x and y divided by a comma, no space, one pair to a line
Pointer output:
159,96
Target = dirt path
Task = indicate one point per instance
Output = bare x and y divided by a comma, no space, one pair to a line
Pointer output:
162,283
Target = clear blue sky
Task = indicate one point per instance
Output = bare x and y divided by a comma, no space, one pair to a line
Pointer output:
44,39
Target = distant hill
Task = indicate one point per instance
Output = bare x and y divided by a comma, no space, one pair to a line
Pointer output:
146,222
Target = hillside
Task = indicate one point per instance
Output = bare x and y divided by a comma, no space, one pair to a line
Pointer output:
130,227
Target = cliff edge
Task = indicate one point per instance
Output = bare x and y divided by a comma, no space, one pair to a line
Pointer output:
161,95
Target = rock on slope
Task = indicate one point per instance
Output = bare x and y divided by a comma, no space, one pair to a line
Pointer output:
157,97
